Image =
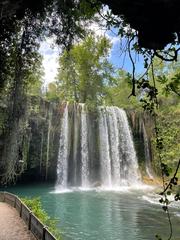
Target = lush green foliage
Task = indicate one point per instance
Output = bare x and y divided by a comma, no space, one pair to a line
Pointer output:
35,78
118,92
84,71
35,206
21,74
168,122
163,103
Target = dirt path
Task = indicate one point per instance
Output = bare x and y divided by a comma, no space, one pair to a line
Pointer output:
12,227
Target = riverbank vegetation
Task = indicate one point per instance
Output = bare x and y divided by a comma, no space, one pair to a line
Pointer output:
35,206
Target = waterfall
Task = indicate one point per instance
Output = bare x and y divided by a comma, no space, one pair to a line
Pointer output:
102,155
62,167
114,144
104,149
75,144
129,168
117,154
84,148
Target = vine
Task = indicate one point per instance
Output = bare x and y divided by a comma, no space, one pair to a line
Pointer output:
151,105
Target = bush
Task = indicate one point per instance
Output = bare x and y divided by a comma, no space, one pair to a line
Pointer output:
35,206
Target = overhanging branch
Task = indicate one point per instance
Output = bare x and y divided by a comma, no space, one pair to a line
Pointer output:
173,58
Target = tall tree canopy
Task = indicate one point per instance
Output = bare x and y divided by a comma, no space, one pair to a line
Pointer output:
84,71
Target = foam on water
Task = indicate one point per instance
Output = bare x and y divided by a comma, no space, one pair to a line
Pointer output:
151,199
154,199
132,188
136,187
61,190
177,214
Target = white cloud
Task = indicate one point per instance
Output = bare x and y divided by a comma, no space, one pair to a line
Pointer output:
50,52
50,55
114,39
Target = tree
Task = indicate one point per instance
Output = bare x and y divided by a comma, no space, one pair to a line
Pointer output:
118,92
84,71
34,79
21,66
52,93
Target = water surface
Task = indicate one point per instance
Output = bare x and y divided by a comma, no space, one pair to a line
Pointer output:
104,215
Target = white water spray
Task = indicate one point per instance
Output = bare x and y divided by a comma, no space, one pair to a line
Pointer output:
117,154
62,167
84,148
115,164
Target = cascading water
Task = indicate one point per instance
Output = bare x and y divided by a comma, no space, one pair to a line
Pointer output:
105,161
84,148
114,138
75,144
117,154
96,151
62,167
129,168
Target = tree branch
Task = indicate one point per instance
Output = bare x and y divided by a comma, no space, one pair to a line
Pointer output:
174,90
173,58
177,168
133,93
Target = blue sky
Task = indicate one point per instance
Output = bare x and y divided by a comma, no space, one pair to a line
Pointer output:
119,59
122,60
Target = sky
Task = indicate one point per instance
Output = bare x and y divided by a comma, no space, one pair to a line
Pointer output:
50,55
119,60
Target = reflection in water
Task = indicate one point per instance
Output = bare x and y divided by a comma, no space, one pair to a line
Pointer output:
103,215
95,216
